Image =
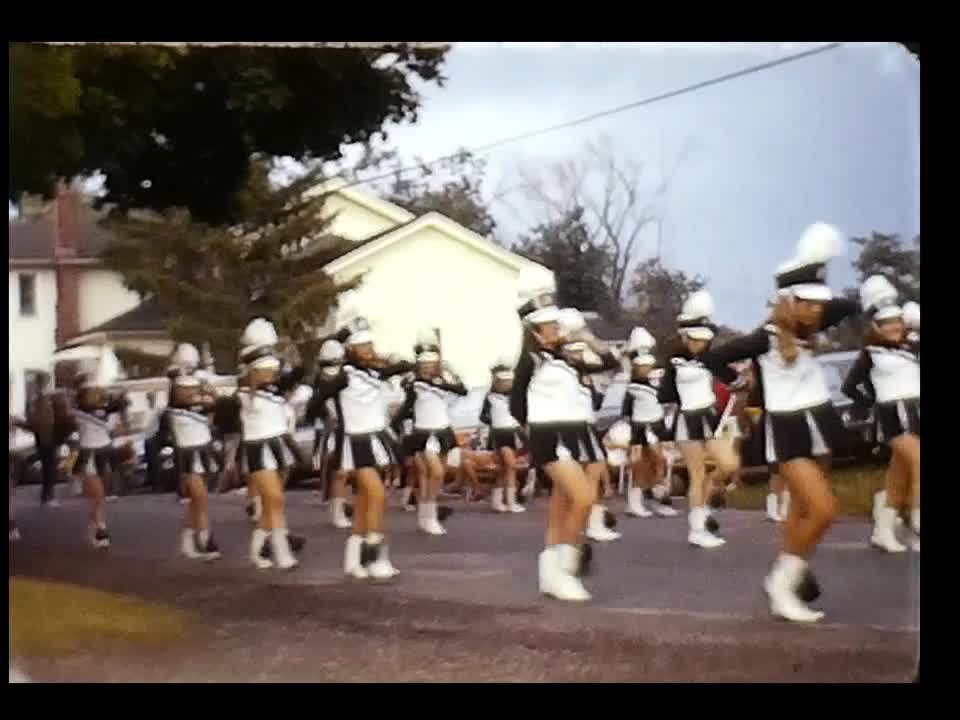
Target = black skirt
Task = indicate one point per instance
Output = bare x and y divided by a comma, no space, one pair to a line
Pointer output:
552,442
695,425
276,453
514,438
594,447
327,448
196,461
94,461
446,439
647,434
758,440
370,450
808,434
897,418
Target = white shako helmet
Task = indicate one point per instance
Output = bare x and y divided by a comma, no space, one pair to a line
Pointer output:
258,343
878,298
536,295
640,347
805,275
694,320
331,353
911,315
185,358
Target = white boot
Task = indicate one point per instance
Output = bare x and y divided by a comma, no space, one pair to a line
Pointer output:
257,541
381,568
879,503
635,504
784,504
530,485
351,558
915,526
596,529
496,501
884,534
556,565
662,509
282,555
407,496
699,535
338,517
773,508
781,585
428,520
188,544
512,504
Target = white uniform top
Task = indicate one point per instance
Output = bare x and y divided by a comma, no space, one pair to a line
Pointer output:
431,408
190,429
555,393
500,417
586,404
895,374
94,428
788,388
646,406
263,414
694,384
363,402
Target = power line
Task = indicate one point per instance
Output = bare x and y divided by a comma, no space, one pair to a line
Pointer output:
606,113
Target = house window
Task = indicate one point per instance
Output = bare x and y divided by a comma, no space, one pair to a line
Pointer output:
28,295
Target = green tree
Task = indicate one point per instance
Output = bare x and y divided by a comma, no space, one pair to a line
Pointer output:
459,196
177,127
580,267
209,281
659,293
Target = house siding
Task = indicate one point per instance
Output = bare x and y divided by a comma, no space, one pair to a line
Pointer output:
102,297
32,340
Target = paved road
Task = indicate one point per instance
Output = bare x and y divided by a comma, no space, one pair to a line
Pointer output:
466,605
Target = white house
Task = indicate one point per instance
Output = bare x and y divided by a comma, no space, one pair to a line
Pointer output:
57,286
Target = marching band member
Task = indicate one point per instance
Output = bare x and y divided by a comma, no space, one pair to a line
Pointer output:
94,417
886,376
506,437
427,403
547,397
576,351
801,424
366,448
185,425
688,382
324,407
642,409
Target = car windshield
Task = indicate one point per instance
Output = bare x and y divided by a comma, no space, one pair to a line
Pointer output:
836,368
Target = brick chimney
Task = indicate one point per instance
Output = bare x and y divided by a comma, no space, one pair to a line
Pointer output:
67,206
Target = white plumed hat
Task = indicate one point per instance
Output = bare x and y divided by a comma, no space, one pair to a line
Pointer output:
878,297
911,315
695,316
331,352
186,357
571,321
641,339
805,275
536,293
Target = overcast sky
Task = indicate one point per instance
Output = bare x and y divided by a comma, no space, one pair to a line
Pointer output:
833,137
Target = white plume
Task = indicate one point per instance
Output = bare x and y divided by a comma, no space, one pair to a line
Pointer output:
698,305
427,336
619,433
875,291
819,243
109,369
331,351
533,280
186,356
911,315
571,321
259,332
348,307
640,340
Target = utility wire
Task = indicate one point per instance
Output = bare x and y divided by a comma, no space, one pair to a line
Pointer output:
606,113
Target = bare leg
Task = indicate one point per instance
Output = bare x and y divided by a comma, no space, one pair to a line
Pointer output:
812,507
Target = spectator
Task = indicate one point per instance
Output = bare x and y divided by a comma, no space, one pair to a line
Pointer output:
50,430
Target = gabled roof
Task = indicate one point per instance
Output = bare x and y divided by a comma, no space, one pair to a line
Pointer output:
371,202
434,220
144,318
34,238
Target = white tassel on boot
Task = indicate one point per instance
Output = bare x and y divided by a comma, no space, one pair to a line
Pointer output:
699,535
352,566
781,587
188,544
596,529
556,570
257,540
512,504
635,505
496,500
338,516
773,508
884,534
282,555
381,568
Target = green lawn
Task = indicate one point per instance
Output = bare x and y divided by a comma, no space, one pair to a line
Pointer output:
853,487
48,618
